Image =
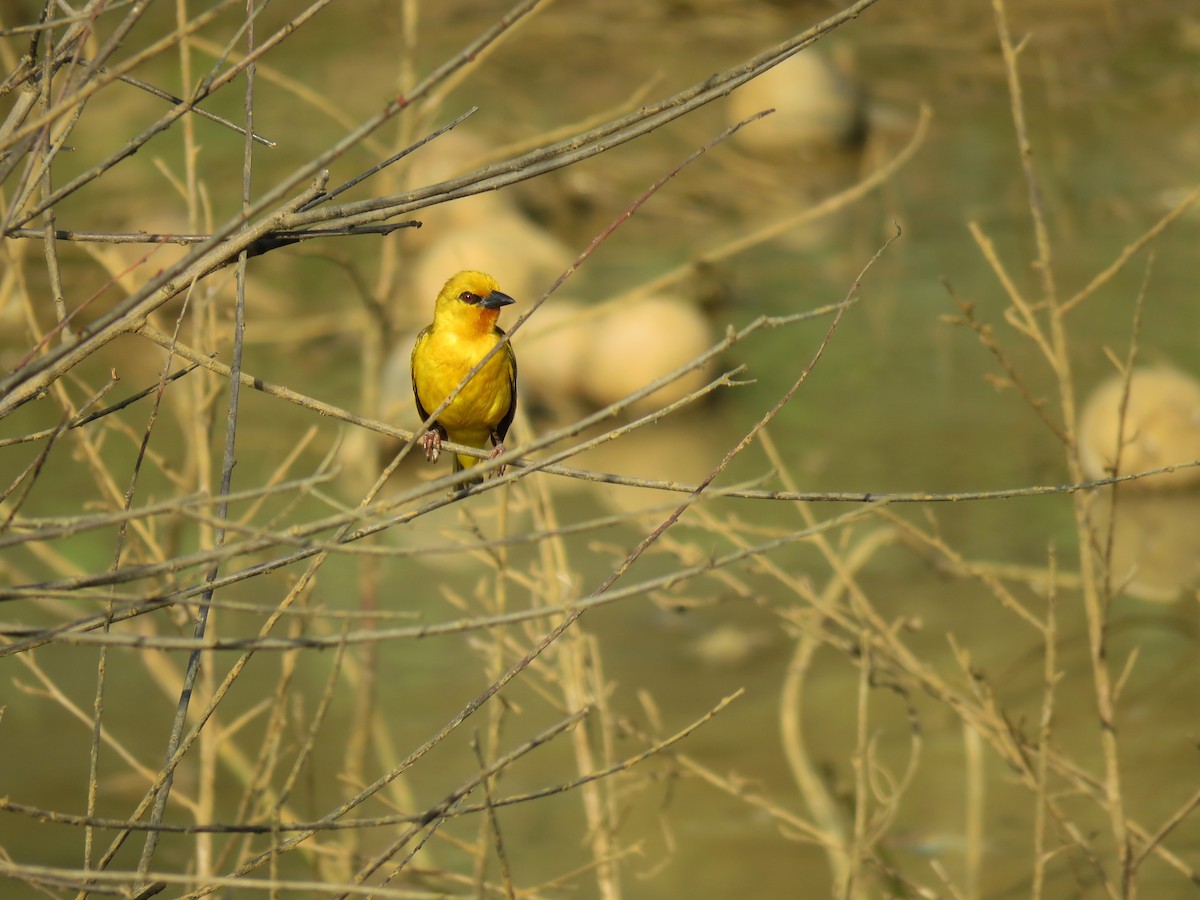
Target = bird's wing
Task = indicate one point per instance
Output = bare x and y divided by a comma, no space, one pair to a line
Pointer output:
424,333
506,422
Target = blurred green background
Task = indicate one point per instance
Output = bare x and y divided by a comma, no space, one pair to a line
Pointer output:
903,400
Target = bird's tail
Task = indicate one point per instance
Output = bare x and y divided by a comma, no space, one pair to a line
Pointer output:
467,462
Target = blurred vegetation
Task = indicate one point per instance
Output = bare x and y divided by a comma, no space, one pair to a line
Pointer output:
917,632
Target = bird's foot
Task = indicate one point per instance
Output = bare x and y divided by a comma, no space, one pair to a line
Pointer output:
431,442
496,451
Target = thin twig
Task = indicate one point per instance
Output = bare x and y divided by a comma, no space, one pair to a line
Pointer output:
227,463
171,98
127,315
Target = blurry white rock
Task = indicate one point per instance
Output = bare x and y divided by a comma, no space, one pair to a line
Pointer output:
396,404
727,646
1155,543
447,157
362,455
550,348
522,257
816,107
1162,427
640,341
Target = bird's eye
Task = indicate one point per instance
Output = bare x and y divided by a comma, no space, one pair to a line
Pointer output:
468,297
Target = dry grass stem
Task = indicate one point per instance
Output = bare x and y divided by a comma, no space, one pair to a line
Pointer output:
245,627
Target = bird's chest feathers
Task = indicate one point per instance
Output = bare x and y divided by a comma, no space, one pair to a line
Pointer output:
448,358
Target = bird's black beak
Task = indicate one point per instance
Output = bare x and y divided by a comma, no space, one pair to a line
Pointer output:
495,300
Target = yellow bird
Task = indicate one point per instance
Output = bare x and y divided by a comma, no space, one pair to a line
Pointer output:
461,334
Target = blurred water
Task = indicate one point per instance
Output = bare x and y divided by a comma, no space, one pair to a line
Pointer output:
901,401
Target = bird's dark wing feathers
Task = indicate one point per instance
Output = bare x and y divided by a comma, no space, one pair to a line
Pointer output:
421,411
502,429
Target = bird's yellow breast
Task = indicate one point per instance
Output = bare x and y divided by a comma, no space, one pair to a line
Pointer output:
441,359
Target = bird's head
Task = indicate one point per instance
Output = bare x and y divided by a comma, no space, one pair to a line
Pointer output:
471,299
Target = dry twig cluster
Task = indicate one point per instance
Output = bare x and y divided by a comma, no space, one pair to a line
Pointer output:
142,570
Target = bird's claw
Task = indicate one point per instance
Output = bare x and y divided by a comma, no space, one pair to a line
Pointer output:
496,451
431,442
